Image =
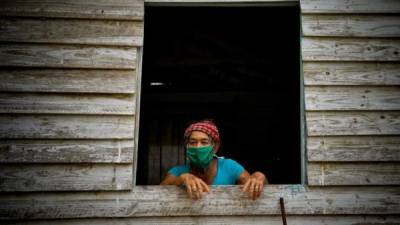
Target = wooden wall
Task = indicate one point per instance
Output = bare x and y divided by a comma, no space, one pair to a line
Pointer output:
351,55
68,94
67,120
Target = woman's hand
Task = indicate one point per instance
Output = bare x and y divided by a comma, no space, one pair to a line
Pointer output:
254,185
194,185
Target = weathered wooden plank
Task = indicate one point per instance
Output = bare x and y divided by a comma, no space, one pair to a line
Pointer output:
168,151
351,26
353,174
91,9
353,123
349,73
222,200
70,81
72,31
67,56
353,149
223,220
353,6
352,98
31,177
153,136
105,104
67,127
66,151
348,49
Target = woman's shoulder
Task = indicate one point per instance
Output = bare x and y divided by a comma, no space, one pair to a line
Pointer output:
178,170
231,169
227,162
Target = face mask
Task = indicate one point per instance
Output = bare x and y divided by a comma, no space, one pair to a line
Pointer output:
200,156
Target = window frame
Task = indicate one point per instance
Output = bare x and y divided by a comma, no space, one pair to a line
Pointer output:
223,3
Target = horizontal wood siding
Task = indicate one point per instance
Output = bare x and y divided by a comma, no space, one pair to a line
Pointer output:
349,49
351,65
68,81
353,173
353,149
351,73
66,151
26,103
68,177
72,31
89,9
352,98
353,6
66,127
223,220
67,56
222,200
353,123
68,94
351,26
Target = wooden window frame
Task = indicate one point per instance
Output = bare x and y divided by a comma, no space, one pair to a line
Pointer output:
223,3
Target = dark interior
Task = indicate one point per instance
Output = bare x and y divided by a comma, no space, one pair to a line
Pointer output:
237,65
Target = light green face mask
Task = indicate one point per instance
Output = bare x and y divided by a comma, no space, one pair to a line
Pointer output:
200,157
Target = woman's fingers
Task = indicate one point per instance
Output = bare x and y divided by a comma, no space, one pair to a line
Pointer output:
199,189
259,192
195,187
204,186
252,190
246,186
189,189
253,187
259,188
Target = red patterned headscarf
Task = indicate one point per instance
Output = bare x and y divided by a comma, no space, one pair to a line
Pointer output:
206,126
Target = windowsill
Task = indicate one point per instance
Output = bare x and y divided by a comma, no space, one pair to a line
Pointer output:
222,200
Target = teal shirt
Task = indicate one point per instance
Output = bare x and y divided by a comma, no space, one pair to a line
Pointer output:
228,171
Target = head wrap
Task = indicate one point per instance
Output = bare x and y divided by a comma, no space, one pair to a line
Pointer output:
205,126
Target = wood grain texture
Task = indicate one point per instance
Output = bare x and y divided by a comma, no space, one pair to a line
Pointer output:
222,200
68,81
352,123
351,26
353,174
350,73
30,177
66,127
91,9
153,169
223,220
66,151
72,31
169,151
348,49
26,103
352,98
353,149
352,6
67,56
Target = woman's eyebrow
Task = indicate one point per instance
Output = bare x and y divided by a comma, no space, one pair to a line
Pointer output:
201,139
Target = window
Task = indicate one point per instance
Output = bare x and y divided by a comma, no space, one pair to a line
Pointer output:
237,65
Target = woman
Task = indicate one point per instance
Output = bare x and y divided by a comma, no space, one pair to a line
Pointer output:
205,168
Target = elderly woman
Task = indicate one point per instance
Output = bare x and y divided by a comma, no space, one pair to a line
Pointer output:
205,168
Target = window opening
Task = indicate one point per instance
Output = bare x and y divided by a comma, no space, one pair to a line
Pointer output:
237,65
